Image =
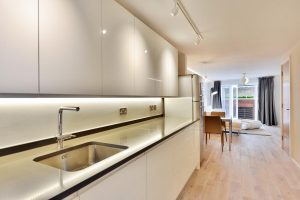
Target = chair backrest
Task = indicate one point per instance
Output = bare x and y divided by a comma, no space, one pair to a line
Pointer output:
221,114
213,124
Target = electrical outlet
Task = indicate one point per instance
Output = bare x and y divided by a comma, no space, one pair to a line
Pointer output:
152,107
123,111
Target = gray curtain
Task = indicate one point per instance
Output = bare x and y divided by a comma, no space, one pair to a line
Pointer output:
216,101
266,105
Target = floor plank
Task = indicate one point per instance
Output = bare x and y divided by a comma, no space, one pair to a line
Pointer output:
256,168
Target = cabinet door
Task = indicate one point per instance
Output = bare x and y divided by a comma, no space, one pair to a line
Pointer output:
160,172
129,183
197,141
19,46
147,53
70,52
117,49
166,173
169,69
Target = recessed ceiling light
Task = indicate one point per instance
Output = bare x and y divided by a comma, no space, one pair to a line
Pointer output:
104,31
145,51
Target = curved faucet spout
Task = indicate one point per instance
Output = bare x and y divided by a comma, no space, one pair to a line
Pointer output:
60,137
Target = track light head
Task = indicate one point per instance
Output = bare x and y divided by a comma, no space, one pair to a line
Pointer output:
197,40
175,9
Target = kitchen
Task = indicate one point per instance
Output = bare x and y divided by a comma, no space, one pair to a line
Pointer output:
131,112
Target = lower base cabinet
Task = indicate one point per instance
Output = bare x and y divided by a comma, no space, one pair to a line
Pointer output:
159,174
128,183
170,165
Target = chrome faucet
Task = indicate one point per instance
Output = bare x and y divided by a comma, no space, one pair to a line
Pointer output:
61,137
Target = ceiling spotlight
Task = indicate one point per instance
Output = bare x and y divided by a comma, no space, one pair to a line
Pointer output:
175,9
197,40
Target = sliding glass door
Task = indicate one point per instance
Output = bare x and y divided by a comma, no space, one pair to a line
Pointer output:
235,101
239,102
229,95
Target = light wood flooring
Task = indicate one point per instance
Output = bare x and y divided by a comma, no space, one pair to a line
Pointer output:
256,168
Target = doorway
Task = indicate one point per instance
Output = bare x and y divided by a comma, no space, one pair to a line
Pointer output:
285,108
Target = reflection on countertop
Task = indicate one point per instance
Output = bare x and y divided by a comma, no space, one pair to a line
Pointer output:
22,178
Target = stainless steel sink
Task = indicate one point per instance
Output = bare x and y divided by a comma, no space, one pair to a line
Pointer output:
80,156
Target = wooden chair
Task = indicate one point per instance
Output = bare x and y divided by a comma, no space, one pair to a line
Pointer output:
221,114
213,125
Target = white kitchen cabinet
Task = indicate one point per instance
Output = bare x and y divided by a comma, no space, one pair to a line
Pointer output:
169,69
197,142
19,46
156,63
159,174
69,44
117,49
148,49
128,183
170,165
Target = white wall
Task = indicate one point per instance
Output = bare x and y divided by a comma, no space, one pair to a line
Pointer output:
25,120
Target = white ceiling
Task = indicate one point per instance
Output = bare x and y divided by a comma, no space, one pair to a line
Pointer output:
240,35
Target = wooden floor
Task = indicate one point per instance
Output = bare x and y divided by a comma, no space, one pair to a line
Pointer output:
256,168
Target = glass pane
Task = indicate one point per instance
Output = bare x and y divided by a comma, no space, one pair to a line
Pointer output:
246,102
235,102
226,100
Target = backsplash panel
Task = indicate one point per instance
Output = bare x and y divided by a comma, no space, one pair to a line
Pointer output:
24,120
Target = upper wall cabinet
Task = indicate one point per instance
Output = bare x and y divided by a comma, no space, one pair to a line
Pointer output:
169,69
19,46
147,57
117,49
70,51
155,63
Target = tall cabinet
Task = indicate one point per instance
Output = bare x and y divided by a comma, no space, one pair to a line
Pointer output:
19,46
69,44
